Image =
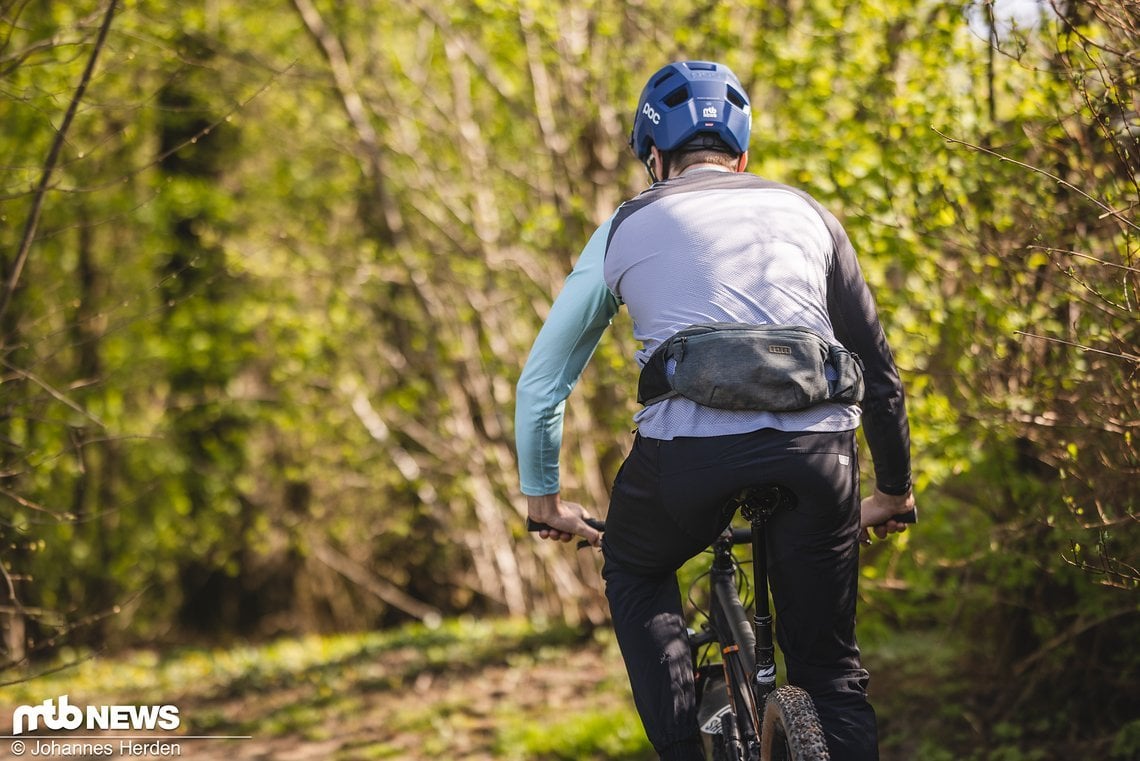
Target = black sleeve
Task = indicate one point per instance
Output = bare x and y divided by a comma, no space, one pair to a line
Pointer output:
856,323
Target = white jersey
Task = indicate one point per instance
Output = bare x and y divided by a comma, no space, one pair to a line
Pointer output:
757,256
713,246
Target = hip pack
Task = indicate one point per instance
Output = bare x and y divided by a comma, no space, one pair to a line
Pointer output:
771,368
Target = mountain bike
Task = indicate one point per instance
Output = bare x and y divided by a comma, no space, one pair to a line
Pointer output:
742,714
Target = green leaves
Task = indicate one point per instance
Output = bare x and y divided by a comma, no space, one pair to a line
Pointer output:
278,302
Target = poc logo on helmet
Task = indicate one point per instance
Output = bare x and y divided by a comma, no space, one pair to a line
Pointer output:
651,112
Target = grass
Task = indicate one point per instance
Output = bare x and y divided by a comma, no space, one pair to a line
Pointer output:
593,734
504,689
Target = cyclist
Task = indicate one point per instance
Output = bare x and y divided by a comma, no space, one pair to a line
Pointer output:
709,243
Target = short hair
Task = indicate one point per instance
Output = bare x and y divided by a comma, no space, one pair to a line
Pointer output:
704,148
682,160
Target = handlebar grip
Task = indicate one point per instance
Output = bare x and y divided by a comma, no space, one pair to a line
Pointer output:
911,516
533,525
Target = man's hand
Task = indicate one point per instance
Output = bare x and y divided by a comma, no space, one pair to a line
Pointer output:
876,512
566,519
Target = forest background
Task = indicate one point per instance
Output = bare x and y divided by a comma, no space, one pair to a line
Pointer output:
270,271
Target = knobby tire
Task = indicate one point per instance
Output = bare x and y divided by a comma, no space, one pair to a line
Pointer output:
791,730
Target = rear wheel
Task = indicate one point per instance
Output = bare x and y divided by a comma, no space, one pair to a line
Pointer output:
791,729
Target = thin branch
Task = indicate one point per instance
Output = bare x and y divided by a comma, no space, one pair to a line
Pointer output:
10,61
383,589
1115,572
59,396
355,108
23,502
63,629
51,161
1077,628
46,672
1099,295
1108,211
235,108
1078,254
1082,347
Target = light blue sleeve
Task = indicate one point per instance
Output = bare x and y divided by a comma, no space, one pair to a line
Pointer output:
578,318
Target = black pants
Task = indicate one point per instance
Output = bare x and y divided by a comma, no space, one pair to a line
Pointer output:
668,505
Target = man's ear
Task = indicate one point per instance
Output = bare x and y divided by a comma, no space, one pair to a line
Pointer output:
652,162
742,162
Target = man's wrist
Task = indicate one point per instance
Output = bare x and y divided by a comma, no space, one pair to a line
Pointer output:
542,506
896,498
894,490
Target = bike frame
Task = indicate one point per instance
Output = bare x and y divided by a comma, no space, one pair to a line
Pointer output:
736,638
747,646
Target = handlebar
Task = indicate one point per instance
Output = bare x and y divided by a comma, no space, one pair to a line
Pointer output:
739,535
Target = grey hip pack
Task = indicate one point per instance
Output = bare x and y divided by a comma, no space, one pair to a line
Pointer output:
772,368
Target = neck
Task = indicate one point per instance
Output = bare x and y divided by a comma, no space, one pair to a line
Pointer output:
704,167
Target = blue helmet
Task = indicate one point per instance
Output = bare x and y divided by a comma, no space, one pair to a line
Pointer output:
689,98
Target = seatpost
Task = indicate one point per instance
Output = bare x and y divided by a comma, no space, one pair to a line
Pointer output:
759,505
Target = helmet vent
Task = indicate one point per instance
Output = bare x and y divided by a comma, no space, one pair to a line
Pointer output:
677,97
736,98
